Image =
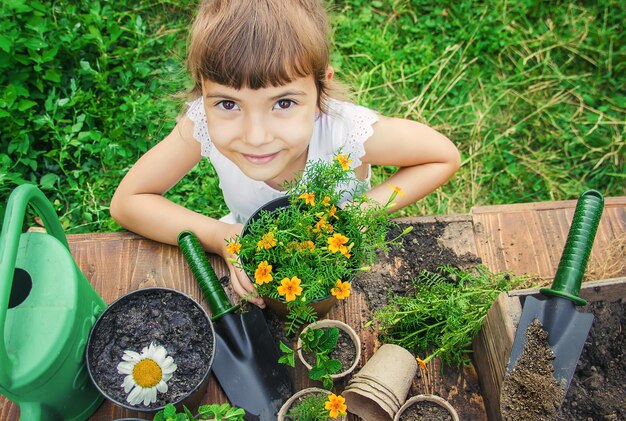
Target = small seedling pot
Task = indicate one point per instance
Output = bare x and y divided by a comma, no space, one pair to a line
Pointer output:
165,317
368,404
326,323
420,400
296,397
379,389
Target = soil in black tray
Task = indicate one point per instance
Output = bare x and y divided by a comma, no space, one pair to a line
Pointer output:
598,388
530,391
344,352
168,319
425,411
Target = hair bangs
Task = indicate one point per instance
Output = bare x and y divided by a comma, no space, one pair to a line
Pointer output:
257,44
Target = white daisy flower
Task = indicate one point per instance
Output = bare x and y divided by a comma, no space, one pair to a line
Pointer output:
147,373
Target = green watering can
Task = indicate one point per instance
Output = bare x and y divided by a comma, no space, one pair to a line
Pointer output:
47,308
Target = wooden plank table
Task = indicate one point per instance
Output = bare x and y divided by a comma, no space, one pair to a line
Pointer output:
525,238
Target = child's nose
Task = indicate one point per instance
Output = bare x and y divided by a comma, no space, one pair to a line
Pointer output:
255,131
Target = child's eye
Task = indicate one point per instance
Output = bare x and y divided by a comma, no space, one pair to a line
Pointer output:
227,105
283,104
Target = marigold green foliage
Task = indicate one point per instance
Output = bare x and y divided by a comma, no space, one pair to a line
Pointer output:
300,234
444,312
311,408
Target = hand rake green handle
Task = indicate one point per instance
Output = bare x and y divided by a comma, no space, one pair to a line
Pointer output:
20,198
213,292
573,263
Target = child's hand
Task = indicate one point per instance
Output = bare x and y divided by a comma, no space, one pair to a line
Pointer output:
238,279
242,286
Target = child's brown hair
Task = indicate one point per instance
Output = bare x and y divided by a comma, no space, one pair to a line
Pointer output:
260,43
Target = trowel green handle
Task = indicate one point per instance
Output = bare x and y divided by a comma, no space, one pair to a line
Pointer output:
9,242
582,233
213,292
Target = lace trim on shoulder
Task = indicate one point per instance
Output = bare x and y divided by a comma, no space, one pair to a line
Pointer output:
361,121
197,114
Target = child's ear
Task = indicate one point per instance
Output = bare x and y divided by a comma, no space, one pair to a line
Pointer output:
330,72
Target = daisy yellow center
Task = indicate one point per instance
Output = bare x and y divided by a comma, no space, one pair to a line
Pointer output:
147,373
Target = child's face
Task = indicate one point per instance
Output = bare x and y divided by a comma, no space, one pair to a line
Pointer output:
265,132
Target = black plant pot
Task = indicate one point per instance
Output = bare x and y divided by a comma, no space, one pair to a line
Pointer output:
166,317
321,306
271,207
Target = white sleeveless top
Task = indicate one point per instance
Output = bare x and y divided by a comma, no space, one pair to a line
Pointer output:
345,126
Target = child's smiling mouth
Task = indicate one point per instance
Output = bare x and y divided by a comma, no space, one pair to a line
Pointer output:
260,159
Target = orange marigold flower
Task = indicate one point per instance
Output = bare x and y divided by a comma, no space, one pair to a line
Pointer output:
344,161
422,363
309,198
336,242
290,288
326,201
345,251
341,290
321,224
233,247
263,273
307,245
396,189
335,405
267,241
332,212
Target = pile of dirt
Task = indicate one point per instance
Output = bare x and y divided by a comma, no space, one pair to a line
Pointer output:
425,411
421,249
530,391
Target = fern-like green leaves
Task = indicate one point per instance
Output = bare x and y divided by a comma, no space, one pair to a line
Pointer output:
444,313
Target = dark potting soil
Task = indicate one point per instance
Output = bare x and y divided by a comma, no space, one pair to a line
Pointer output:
598,388
421,249
344,352
171,320
530,391
426,411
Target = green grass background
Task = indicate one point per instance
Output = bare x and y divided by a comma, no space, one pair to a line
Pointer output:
531,92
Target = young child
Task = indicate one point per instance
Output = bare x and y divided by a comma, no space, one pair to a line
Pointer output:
264,104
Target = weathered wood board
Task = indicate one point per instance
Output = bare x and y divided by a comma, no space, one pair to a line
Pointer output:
117,263
524,238
529,238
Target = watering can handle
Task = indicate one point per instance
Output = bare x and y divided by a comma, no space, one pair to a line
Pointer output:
9,242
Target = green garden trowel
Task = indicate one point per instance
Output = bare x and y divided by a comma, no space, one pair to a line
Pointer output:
566,327
246,357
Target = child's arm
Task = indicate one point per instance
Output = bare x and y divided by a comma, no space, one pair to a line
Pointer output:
426,159
138,203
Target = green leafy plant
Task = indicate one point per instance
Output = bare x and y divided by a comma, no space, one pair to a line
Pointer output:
312,249
310,408
321,343
317,407
444,313
213,412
